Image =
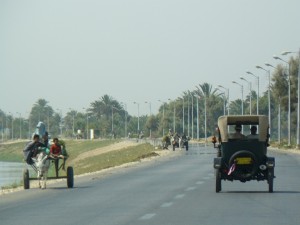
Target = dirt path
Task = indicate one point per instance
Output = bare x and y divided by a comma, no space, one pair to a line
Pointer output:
99,151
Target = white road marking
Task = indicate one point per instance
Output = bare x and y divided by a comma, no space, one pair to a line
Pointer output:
190,189
147,216
166,204
200,182
206,178
179,196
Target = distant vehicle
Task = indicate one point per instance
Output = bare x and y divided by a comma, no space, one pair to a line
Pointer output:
244,158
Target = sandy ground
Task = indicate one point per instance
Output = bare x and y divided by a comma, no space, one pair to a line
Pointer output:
161,154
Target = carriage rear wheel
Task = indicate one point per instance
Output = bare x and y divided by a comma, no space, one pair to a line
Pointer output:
218,181
270,179
70,177
26,179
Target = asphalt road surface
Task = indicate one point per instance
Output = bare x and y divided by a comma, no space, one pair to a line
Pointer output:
177,190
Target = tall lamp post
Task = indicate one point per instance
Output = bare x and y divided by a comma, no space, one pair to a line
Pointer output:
192,115
250,86
224,100
289,96
188,96
242,88
257,97
269,95
138,108
226,89
298,105
197,97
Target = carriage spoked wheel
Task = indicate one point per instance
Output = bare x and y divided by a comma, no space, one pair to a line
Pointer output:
70,177
26,181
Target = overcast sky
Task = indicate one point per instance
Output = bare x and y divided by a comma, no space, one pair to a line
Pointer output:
71,52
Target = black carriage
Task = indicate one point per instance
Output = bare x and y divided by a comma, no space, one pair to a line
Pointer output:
243,158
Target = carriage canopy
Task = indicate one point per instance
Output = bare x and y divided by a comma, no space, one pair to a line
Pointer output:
260,121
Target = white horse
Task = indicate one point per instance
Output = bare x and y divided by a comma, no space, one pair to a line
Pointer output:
42,164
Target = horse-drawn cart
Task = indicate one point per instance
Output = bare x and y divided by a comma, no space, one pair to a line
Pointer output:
37,157
69,173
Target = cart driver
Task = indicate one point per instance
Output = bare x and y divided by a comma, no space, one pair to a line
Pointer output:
238,134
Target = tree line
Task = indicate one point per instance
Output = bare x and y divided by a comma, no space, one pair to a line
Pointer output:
108,116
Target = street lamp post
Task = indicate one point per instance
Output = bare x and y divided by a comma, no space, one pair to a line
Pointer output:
224,100
192,116
197,97
112,120
205,118
298,105
242,88
182,115
226,89
269,96
188,115
138,108
250,86
257,97
289,96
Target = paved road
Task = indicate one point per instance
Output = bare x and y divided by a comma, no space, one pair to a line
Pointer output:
178,190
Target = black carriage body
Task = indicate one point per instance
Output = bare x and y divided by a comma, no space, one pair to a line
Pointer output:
243,159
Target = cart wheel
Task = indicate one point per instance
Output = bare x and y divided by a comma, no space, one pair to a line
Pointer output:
70,177
218,181
26,179
270,179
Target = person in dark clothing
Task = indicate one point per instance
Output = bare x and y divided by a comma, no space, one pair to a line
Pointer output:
31,149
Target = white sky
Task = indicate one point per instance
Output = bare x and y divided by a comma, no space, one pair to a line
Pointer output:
71,52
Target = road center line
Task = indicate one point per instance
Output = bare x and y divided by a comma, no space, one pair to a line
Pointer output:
200,182
179,196
190,189
166,204
147,216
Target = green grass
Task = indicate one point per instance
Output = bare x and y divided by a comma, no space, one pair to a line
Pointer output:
114,158
14,152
